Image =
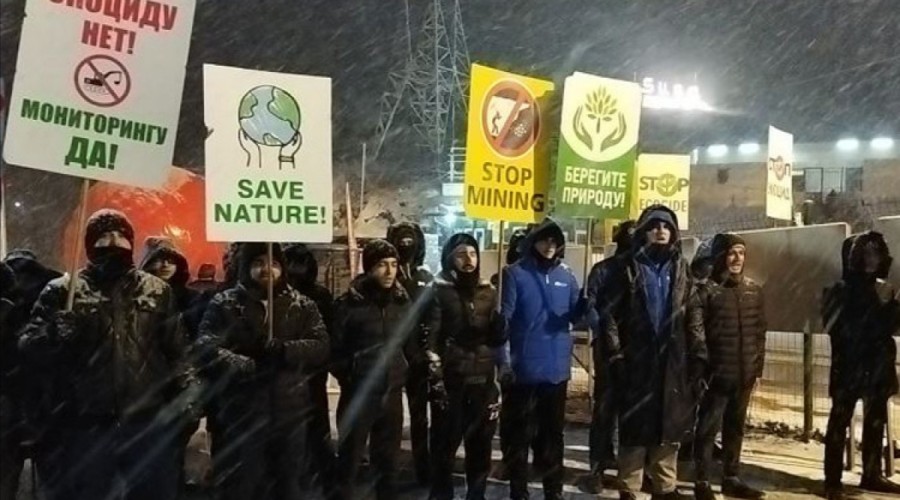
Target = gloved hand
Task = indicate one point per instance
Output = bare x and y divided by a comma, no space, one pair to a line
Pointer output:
437,394
64,325
274,350
506,376
435,367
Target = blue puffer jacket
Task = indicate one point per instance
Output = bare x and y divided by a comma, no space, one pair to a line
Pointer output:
539,303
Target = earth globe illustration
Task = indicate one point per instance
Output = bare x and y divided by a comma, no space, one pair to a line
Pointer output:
269,116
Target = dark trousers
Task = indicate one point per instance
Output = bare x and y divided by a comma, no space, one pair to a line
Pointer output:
536,415
132,461
320,449
12,456
380,420
604,418
257,457
417,399
874,420
726,411
469,417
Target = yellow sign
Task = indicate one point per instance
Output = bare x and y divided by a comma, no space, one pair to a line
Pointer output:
507,163
665,180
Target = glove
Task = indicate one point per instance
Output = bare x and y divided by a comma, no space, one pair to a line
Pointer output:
64,325
437,394
506,376
435,367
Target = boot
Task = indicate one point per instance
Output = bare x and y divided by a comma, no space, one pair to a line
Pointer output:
593,482
734,487
834,492
879,484
627,495
703,491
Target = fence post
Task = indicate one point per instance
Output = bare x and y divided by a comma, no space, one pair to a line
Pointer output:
807,382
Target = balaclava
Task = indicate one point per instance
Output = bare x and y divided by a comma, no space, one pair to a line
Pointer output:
108,264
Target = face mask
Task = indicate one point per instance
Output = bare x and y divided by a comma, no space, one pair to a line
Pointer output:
407,252
111,262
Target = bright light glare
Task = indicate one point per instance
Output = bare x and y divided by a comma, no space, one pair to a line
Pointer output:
18,204
848,144
450,218
882,143
717,150
748,148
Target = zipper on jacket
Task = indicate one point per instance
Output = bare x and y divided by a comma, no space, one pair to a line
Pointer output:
740,326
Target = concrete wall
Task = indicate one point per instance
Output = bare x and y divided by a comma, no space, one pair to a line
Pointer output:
881,180
794,265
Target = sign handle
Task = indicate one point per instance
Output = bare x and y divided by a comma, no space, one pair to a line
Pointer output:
588,235
351,237
270,304
500,258
81,213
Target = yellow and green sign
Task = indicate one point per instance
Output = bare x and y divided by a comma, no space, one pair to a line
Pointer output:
595,166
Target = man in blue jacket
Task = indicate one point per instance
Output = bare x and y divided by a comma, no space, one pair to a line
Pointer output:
540,300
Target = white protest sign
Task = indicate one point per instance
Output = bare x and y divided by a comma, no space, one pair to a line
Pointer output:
779,180
268,157
98,85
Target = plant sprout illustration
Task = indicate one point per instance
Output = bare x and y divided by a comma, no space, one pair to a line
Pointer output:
601,108
269,116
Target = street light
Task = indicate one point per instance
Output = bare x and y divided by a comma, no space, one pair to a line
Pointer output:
882,143
749,148
850,144
717,150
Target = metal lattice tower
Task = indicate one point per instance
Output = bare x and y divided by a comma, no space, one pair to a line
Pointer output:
430,92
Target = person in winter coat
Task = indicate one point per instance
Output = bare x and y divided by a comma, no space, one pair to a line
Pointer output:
24,402
206,278
302,273
735,327
11,459
371,327
540,301
656,352
162,259
603,421
861,314
512,252
409,240
467,334
263,367
125,386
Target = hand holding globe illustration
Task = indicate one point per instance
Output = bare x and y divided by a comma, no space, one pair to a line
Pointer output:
269,116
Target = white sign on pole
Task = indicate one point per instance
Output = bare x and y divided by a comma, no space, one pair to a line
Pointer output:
268,157
779,182
98,86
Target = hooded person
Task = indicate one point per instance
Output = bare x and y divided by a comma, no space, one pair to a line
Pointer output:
466,336
264,365
409,240
302,273
371,327
124,387
512,252
653,340
24,407
861,315
540,301
603,423
206,278
162,259
735,327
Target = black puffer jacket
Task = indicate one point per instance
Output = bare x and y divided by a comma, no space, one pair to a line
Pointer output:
371,326
468,328
234,330
187,300
416,279
125,360
658,391
862,315
735,320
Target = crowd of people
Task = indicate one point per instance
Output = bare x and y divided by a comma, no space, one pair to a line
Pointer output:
107,374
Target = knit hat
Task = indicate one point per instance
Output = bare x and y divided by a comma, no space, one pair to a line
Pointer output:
512,252
723,242
207,272
106,220
375,251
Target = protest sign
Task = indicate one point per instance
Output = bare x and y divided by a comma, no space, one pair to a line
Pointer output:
268,156
597,147
98,87
665,180
506,174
